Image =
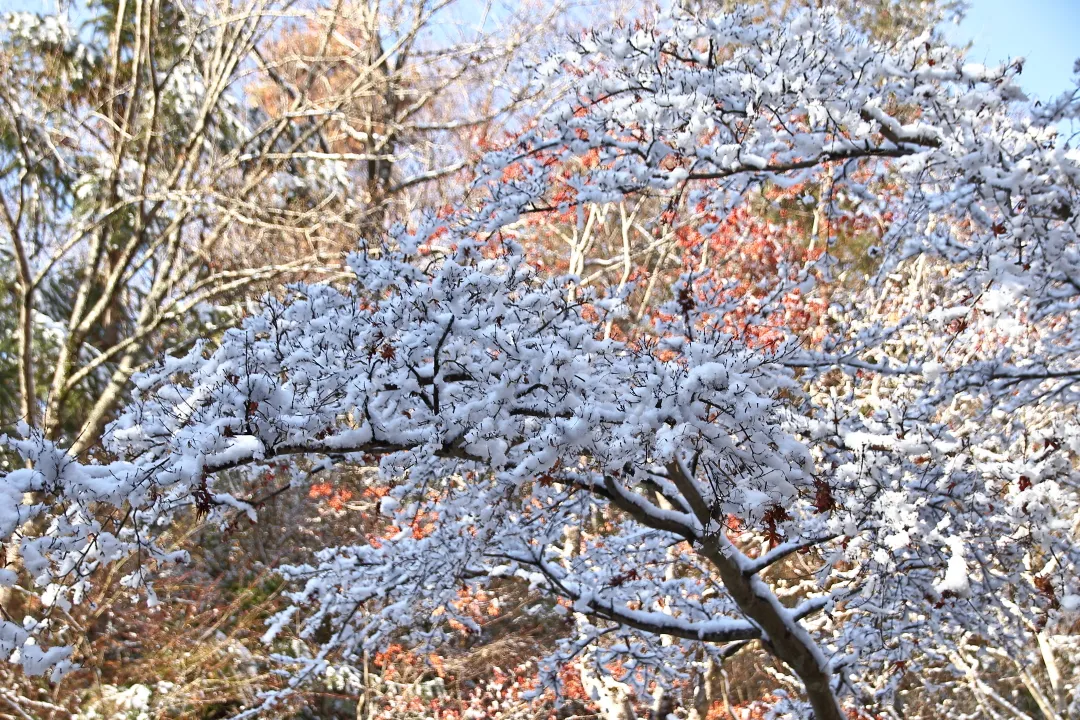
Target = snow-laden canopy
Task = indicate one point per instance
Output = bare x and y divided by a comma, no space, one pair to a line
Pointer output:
924,450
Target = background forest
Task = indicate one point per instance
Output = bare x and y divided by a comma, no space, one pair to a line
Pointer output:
166,164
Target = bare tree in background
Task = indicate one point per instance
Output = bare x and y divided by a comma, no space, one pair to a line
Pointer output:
414,89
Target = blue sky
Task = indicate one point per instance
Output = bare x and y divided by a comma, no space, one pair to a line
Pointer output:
1045,32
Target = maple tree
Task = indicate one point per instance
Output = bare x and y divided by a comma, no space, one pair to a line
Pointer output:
915,451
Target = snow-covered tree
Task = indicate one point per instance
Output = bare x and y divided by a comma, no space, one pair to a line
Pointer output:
915,455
